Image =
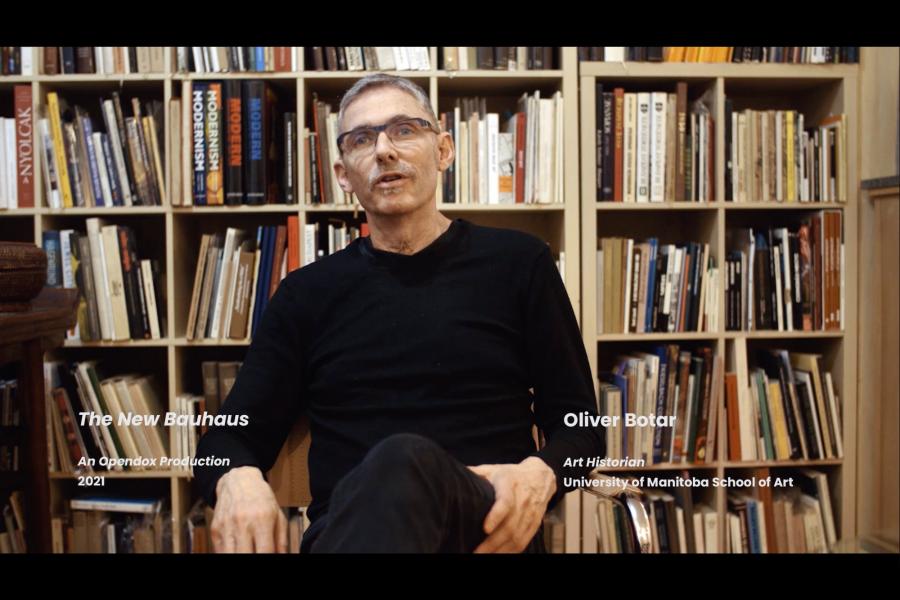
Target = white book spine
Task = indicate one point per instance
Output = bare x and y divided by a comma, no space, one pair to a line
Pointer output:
658,102
629,143
150,295
493,172
643,147
98,264
27,53
115,282
116,144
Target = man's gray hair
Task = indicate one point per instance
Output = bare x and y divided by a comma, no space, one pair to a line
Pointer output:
376,80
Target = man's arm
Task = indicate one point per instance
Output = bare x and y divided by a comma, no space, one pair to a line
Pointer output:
562,381
561,374
267,391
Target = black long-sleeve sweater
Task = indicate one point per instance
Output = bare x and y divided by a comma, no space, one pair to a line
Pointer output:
446,343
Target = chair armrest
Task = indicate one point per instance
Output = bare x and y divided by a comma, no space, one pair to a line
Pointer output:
631,498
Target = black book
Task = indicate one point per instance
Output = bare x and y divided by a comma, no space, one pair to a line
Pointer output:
234,156
254,143
129,280
608,153
598,97
289,168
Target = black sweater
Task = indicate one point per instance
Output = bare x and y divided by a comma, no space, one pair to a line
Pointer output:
445,343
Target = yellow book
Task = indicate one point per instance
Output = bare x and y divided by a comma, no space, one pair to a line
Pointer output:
676,54
692,54
791,194
779,425
62,167
706,54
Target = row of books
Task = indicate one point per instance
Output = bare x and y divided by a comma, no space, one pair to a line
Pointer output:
516,158
368,58
499,58
241,143
646,286
86,445
326,238
10,416
235,59
112,525
729,54
17,152
797,519
783,407
322,185
17,60
198,537
83,167
119,293
104,60
771,156
676,526
235,276
12,524
654,146
678,389
787,278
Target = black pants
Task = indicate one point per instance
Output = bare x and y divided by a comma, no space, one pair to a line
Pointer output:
407,495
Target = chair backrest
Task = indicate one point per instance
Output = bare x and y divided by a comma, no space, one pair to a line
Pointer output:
289,476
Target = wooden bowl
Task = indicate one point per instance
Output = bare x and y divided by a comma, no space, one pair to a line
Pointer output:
23,273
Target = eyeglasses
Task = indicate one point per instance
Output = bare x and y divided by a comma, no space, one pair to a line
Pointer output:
403,132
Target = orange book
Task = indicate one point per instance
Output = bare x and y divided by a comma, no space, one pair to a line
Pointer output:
293,230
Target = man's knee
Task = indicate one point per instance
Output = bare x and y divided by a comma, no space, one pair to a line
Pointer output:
401,452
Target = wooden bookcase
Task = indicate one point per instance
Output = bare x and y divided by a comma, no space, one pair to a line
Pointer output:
815,90
172,233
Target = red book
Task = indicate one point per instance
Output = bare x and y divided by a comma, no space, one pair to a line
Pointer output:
293,229
24,145
283,59
520,157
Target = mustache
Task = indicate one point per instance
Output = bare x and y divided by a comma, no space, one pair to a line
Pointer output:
404,170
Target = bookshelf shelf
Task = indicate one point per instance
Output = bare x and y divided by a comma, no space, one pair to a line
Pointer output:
185,343
741,206
572,226
658,337
243,208
783,463
783,335
500,208
161,343
817,92
103,211
656,206
100,78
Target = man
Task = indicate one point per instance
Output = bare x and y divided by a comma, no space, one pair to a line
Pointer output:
414,352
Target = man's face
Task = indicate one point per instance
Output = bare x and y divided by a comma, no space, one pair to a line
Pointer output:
417,163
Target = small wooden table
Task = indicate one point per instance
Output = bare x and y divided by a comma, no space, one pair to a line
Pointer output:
24,337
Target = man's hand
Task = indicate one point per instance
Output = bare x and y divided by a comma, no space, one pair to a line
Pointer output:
521,494
247,517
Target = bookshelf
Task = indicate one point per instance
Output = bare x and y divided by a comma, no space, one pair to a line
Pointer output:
172,233
815,90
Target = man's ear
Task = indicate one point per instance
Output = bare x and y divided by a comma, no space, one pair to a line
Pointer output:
446,151
341,171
